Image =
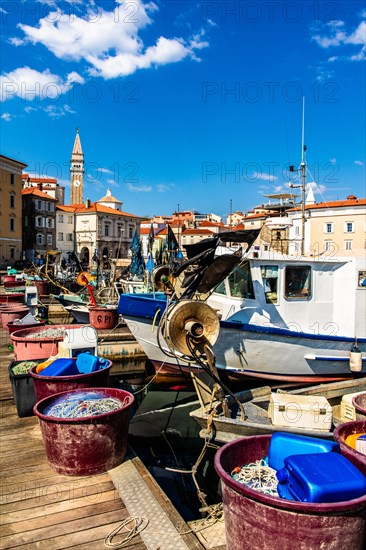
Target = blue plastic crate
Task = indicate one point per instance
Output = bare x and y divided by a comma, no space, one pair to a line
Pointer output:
60,367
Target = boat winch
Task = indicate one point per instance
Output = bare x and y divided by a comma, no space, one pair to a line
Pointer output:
190,318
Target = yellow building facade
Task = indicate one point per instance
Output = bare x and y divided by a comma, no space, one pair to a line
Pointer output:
10,210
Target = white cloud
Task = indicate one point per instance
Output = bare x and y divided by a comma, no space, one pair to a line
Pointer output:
333,160
334,35
112,182
163,187
320,189
109,41
15,41
57,111
263,176
359,162
139,188
105,171
7,117
30,84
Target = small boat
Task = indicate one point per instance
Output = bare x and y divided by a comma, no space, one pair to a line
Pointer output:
79,312
255,404
69,299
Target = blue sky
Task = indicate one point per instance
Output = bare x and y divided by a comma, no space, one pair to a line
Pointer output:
183,102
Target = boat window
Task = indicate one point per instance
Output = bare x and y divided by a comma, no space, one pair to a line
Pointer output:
297,281
240,282
270,283
362,279
221,289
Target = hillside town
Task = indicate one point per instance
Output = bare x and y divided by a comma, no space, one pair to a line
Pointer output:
36,218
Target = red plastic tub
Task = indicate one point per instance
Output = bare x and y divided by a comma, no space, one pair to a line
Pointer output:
14,327
12,297
29,343
90,445
103,317
340,435
14,284
359,403
44,386
261,522
10,314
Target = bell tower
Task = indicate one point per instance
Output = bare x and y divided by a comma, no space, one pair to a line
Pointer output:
77,171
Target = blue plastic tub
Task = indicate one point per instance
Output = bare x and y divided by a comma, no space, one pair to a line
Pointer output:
60,367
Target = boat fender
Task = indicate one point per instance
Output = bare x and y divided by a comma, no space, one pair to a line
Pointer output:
355,359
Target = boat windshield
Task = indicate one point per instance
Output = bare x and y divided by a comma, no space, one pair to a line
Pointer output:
240,283
270,283
298,281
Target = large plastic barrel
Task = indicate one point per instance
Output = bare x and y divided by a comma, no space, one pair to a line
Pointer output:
103,317
44,386
359,403
43,288
12,327
340,435
261,522
89,445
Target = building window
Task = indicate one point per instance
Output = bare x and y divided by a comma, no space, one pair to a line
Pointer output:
49,239
52,207
297,281
328,228
69,236
39,205
12,179
12,200
39,221
12,253
39,238
12,224
25,221
60,218
348,245
130,231
69,219
348,228
60,236
50,223
297,230
328,245
106,229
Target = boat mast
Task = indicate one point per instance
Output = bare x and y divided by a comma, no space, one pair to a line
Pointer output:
302,169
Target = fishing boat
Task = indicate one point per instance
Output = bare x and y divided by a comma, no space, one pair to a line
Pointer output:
254,415
293,318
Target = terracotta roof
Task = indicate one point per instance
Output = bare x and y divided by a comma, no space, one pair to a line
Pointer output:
109,198
38,180
144,230
238,227
95,207
37,193
263,215
197,232
332,204
162,232
207,223
13,160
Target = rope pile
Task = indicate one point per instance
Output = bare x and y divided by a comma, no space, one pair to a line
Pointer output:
83,404
258,476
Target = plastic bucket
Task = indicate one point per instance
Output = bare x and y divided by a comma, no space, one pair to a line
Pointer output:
9,279
44,386
9,315
340,435
14,327
260,522
359,403
90,445
103,317
43,288
32,343
14,297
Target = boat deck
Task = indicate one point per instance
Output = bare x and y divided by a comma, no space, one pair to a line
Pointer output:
42,509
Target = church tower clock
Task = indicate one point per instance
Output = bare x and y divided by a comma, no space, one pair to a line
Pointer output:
77,171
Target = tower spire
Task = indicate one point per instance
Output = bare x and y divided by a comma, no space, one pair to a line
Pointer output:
77,171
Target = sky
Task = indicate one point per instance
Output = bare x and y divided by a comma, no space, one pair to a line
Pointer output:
184,104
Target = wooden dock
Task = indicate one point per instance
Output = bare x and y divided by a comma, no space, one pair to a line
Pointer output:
44,510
